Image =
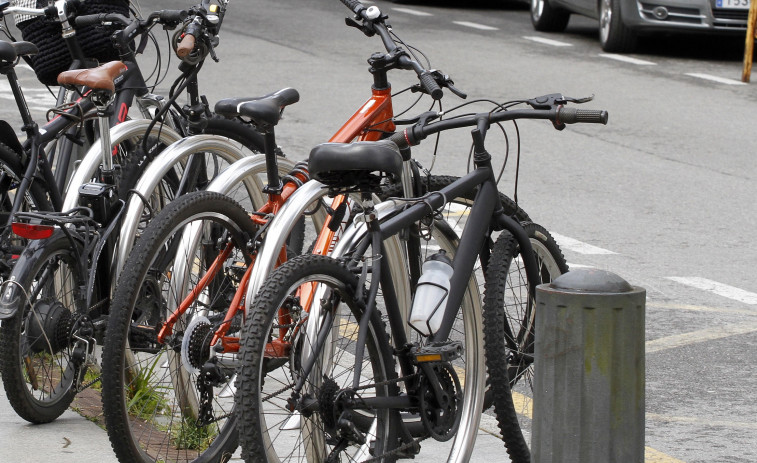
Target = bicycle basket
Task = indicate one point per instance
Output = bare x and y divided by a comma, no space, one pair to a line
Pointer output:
53,57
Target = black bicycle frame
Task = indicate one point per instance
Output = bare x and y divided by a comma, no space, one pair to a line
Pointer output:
486,215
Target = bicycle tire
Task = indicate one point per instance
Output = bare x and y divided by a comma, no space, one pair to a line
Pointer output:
508,329
257,372
132,350
30,351
237,131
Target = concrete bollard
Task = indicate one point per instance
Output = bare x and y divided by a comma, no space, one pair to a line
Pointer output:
589,370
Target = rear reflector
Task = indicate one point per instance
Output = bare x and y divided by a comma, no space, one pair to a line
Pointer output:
33,232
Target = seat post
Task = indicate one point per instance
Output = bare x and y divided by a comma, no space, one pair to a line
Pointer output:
102,100
274,185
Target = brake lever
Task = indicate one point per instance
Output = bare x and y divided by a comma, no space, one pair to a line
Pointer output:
585,99
455,90
368,31
212,44
555,99
421,119
445,81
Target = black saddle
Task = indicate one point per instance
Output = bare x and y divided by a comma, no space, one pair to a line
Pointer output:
263,110
350,165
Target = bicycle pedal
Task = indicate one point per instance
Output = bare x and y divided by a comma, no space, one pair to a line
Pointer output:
445,351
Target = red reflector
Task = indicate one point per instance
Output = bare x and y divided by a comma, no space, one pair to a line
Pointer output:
32,232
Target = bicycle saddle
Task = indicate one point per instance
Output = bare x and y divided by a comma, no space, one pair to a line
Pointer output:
99,78
352,164
263,110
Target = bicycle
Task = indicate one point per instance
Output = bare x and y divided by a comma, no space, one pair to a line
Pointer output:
336,392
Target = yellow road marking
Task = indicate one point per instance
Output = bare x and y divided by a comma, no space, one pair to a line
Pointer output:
524,405
655,456
349,330
694,337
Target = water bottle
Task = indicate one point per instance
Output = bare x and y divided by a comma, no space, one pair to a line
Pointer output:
430,298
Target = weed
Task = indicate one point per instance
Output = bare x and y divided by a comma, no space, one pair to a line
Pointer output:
144,396
189,436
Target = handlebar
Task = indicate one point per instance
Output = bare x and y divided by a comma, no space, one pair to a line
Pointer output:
414,134
373,23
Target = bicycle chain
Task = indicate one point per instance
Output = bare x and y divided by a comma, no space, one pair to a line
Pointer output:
84,386
399,449
89,384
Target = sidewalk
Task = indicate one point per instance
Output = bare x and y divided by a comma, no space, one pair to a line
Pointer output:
69,439
74,439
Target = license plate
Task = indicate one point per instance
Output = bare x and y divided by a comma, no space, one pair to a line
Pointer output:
732,4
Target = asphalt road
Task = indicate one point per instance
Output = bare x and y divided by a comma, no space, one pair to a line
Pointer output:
663,195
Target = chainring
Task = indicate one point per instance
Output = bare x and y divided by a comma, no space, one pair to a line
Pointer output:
441,420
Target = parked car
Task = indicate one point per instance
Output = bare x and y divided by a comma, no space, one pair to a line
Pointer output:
621,21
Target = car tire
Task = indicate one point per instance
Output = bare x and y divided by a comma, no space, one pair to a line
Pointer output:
546,18
614,35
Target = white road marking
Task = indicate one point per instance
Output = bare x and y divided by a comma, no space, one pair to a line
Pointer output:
721,80
578,246
573,266
695,337
39,97
702,421
627,59
412,12
720,289
699,308
482,27
554,43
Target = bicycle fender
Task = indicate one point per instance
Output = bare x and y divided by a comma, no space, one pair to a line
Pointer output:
8,137
11,293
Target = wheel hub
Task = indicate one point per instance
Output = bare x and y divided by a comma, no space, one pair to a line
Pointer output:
48,326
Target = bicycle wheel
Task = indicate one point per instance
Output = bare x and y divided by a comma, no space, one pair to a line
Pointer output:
278,345
509,329
171,398
40,360
35,199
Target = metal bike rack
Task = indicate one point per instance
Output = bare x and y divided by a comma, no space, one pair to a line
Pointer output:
281,226
248,169
158,168
88,167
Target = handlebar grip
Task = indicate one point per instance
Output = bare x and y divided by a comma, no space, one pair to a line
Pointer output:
100,18
399,139
582,116
354,5
90,19
186,45
432,88
172,16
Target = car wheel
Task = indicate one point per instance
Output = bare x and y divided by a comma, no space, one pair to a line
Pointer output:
547,18
614,36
